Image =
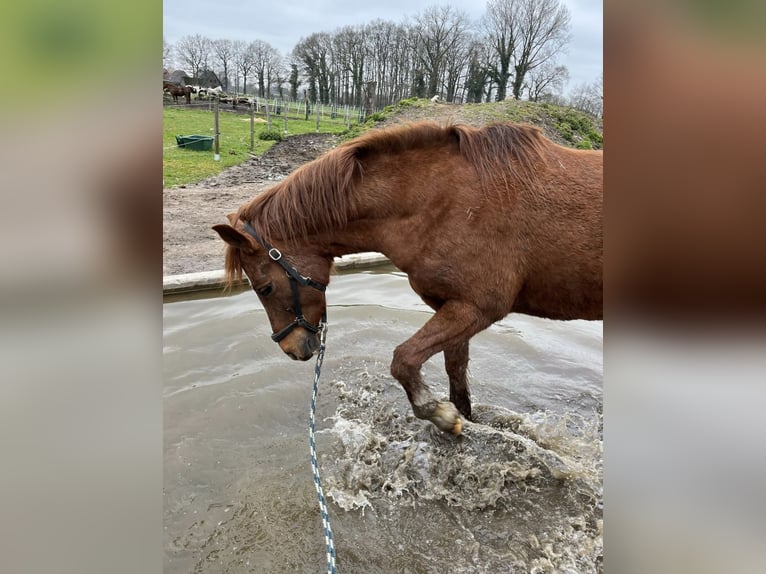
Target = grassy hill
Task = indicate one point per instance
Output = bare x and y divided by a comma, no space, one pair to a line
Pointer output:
564,125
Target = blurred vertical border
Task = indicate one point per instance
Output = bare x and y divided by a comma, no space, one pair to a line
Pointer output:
685,246
80,288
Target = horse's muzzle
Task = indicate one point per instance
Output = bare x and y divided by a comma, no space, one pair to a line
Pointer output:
302,349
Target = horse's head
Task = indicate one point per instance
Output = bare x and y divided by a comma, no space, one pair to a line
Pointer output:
290,287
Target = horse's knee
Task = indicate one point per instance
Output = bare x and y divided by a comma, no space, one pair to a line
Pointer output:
397,366
403,369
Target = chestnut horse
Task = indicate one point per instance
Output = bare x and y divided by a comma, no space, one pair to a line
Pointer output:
176,90
484,222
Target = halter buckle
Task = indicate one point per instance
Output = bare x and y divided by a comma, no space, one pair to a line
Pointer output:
275,254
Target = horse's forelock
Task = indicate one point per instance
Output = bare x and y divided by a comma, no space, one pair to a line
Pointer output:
232,266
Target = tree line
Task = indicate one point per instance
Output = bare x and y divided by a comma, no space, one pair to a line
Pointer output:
512,51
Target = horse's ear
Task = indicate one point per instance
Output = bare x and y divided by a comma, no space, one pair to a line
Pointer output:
233,237
232,217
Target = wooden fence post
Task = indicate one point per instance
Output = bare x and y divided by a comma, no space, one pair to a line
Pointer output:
217,152
284,115
252,125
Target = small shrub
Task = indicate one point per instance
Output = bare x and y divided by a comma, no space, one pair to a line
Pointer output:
565,129
584,144
376,117
596,138
273,135
353,131
406,103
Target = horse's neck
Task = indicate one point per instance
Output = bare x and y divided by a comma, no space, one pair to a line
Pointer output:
362,237
357,237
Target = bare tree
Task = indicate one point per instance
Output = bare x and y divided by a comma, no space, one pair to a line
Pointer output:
294,80
238,48
542,32
498,27
455,70
437,53
383,42
438,32
387,59
589,97
546,80
244,61
342,84
479,72
264,56
223,52
277,74
167,54
194,53
306,56
402,65
314,53
350,53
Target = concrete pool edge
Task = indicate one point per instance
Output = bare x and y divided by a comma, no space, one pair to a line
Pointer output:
210,280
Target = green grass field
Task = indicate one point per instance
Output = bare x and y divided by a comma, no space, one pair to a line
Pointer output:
182,166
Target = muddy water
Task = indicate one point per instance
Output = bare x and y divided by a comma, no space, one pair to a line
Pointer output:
520,491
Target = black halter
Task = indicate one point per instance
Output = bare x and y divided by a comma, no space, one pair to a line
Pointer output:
295,280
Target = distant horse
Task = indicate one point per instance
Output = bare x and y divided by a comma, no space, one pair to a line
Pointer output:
216,92
175,90
484,222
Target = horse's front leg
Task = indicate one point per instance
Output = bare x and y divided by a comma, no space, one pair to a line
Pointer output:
450,328
456,365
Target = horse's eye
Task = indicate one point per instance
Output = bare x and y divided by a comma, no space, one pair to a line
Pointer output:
266,290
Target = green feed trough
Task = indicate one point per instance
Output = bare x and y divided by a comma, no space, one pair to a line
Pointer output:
195,142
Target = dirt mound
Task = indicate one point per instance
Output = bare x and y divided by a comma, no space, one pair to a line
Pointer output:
276,164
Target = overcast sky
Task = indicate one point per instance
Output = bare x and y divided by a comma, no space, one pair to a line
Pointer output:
282,23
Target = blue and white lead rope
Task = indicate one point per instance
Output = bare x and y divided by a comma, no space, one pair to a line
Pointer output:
328,538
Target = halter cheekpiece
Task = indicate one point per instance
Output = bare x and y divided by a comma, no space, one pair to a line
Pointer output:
295,279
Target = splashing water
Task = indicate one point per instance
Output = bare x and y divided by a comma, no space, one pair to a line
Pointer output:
537,477
519,491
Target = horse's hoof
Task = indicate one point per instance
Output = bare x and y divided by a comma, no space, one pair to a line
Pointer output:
446,417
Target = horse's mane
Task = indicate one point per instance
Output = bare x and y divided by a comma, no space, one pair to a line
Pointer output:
321,195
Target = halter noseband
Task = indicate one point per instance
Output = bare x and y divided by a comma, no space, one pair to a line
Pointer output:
295,280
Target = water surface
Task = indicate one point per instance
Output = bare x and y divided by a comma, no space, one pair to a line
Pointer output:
519,491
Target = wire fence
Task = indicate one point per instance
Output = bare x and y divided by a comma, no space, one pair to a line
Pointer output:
276,110
229,137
